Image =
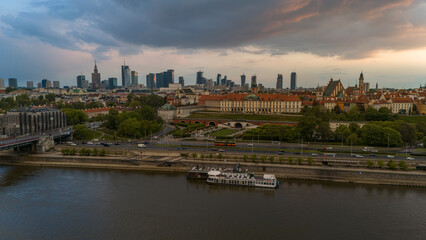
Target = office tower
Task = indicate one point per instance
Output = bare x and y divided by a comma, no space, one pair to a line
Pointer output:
361,83
181,81
1,83
253,81
223,81
56,84
377,85
293,84
200,78
30,84
39,85
280,81
150,81
112,83
13,82
80,80
85,84
96,78
209,84
159,77
125,76
135,78
46,83
218,79
243,80
169,77
105,84
49,84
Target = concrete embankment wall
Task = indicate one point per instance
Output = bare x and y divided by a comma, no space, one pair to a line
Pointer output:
323,173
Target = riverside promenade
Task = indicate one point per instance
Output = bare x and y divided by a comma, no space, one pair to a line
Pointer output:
174,162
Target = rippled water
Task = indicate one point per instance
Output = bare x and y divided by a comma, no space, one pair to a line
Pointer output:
43,203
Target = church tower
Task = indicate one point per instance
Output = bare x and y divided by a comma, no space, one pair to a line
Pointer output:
361,83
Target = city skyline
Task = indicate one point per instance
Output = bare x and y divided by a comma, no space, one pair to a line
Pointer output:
316,39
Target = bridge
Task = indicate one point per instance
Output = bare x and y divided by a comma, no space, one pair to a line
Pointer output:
28,143
234,123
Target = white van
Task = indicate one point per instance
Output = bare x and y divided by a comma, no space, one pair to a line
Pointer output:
141,145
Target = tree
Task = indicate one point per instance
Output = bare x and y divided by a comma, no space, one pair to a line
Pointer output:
370,164
95,152
354,114
299,160
353,127
202,156
391,164
310,161
342,131
245,158
352,139
380,164
112,119
408,133
403,165
72,152
281,160
65,151
371,114
263,159
219,156
82,132
253,157
102,153
194,155
50,97
210,156
271,159
75,116
130,128
290,160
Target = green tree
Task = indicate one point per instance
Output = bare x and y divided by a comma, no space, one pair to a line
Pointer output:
102,153
202,156
253,157
281,160
263,158
210,156
82,132
75,116
342,131
194,155
65,151
299,160
82,152
245,158
391,164
403,165
72,152
50,97
310,161
352,139
290,160
408,133
95,152
112,119
370,164
130,128
219,156
271,159
380,164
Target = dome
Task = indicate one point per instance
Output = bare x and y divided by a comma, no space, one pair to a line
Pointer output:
252,97
168,106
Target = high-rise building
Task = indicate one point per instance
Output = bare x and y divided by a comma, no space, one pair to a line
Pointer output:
96,78
200,78
80,80
39,85
85,84
253,81
135,78
112,83
280,81
361,83
1,83
159,77
293,83
125,76
150,81
46,83
105,84
223,81
243,80
181,81
13,82
218,78
169,77
30,84
56,84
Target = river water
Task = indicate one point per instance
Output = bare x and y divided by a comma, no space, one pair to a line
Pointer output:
46,203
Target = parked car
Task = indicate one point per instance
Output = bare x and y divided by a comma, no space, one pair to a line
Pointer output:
314,154
359,156
141,145
250,145
372,155
390,156
410,158
281,153
73,144
117,143
90,143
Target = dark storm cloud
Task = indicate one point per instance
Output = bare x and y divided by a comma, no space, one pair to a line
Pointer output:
347,28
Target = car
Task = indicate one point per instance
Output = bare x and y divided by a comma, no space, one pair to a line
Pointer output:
141,145
215,149
372,155
390,156
117,143
329,148
105,144
359,156
281,153
145,142
90,143
314,154
221,150
73,144
84,142
250,145
410,158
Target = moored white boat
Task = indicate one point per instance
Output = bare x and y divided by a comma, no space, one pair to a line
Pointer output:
242,179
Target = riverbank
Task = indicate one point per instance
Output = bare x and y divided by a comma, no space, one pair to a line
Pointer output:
160,163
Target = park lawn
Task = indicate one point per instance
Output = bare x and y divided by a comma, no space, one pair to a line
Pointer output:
212,115
223,132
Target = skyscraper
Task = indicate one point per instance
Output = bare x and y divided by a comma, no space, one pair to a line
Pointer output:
169,77
96,78
181,81
159,77
135,78
13,82
112,83
56,84
46,83
1,83
125,76
223,81
253,81
80,79
219,76
280,81
243,80
293,84
30,84
200,78
150,81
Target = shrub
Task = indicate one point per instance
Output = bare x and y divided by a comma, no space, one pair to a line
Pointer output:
72,152
219,156
310,161
245,158
281,160
253,157
202,156
194,155
380,164
271,159
403,165
299,160
210,156
290,160
102,153
391,164
95,152
370,164
65,151
263,159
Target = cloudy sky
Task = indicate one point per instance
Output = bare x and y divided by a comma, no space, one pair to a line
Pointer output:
318,39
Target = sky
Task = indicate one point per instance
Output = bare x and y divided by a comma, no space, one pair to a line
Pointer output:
318,39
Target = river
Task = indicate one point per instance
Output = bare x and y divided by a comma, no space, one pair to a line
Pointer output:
47,203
